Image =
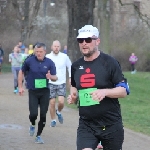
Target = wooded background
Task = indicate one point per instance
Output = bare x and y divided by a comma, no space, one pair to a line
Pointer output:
124,26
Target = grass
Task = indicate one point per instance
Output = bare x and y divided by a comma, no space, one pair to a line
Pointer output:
6,68
136,106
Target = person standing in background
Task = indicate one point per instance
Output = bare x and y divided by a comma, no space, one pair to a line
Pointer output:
133,59
15,59
58,88
1,57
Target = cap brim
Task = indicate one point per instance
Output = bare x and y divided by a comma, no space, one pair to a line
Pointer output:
84,35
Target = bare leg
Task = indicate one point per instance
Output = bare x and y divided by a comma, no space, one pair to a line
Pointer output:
52,108
60,103
60,107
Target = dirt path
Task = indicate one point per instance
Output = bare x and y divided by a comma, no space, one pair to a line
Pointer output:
14,124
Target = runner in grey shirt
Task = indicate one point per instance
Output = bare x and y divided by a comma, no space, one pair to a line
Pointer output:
15,59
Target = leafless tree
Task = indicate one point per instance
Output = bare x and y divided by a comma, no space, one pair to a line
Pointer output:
29,17
142,16
80,13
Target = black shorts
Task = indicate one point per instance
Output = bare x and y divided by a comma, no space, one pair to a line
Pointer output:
111,137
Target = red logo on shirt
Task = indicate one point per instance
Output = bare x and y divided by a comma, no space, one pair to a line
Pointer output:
87,80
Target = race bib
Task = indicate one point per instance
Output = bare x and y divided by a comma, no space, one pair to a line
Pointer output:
85,97
40,83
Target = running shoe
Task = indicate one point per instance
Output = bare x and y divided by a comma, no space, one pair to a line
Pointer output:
60,117
31,130
39,140
53,123
16,91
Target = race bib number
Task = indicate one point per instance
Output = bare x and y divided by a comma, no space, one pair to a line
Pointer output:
40,83
85,97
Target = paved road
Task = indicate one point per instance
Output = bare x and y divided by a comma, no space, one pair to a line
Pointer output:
14,124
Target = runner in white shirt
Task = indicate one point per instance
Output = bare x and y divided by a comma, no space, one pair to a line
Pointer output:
58,88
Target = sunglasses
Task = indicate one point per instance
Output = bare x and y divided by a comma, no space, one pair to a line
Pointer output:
87,40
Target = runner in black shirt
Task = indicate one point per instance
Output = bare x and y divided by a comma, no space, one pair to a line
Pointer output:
98,80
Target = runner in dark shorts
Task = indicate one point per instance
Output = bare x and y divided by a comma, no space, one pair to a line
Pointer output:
98,81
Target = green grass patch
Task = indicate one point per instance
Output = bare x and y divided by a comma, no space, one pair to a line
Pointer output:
136,107
6,68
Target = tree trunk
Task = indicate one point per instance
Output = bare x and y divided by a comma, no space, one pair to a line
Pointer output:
25,21
104,15
80,13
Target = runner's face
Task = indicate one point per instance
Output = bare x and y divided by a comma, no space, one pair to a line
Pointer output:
88,49
56,47
20,43
40,53
16,49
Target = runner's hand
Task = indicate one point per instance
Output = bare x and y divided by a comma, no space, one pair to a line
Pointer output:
21,91
98,95
48,75
72,98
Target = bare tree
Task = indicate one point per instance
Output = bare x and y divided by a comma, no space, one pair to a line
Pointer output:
36,8
142,16
26,17
29,18
25,21
105,23
80,13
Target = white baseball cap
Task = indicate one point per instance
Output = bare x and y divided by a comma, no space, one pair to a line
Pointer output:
88,31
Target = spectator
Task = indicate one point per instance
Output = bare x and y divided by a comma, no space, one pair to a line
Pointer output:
133,59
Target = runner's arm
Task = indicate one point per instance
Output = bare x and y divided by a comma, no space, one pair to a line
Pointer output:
72,98
53,78
68,64
20,79
69,69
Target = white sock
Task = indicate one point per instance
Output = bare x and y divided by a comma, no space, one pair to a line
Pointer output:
54,120
58,112
32,125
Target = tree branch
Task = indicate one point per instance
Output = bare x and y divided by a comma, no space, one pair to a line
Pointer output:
143,17
36,9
